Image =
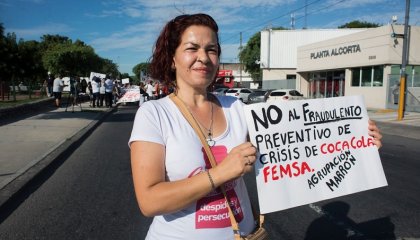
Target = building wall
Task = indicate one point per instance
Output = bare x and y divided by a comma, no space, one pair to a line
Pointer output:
374,46
303,52
277,74
238,76
279,47
368,48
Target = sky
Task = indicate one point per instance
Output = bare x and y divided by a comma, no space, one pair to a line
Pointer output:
125,31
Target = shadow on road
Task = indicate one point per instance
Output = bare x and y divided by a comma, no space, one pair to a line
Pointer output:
336,225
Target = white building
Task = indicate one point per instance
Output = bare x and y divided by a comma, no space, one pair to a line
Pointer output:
366,62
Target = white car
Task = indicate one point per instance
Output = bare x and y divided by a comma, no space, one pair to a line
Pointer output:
284,94
241,93
220,91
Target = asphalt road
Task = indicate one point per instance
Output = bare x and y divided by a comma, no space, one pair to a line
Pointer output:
89,195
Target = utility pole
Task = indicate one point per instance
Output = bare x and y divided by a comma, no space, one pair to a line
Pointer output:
306,14
292,22
240,61
403,87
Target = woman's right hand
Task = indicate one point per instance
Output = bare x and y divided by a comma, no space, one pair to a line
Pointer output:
239,161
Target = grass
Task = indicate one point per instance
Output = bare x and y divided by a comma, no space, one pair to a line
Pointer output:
20,100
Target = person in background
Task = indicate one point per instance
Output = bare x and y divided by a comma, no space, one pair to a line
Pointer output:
96,84
57,90
156,91
109,85
102,92
50,82
83,85
89,89
142,93
149,90
116,92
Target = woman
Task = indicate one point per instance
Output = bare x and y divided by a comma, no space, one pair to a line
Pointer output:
172,177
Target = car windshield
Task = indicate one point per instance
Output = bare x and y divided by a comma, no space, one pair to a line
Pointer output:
220,90
276,94
232,91
258,93
294,93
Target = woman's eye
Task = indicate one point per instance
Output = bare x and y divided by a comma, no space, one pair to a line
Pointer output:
212,50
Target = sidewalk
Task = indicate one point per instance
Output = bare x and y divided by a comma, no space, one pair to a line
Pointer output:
391,116
29,145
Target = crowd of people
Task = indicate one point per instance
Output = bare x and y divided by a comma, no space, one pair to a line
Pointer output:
154,90
102,92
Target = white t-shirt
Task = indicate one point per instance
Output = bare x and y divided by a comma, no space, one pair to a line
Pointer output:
109,85
58,85
149,89
161,122
95,86
102,88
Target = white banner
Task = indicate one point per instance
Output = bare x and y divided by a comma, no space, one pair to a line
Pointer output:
125,80
131,94
312,150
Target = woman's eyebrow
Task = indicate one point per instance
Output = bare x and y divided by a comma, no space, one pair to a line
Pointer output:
198,45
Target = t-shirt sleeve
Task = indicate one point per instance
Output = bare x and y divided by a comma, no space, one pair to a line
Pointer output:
147,125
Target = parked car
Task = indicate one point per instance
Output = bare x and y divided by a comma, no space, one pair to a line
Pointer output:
220,91
285,94
241,93
259,95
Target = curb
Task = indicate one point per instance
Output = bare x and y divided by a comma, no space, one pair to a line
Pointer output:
9,192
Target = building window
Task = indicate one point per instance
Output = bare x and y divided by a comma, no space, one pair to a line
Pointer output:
291,76
355,81
378,76
367,76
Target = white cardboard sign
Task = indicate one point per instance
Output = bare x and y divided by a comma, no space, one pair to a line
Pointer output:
131,94
312,150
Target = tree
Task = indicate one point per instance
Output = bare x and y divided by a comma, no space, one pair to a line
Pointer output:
61,55
9,63
108,67
249,56
32,71
359,24
141,68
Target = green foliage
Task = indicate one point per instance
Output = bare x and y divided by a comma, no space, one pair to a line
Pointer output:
108,67
9,61
141,67
125,75
359,24
29,61
250,54
63,56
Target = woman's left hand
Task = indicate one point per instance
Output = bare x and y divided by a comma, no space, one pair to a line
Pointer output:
375,134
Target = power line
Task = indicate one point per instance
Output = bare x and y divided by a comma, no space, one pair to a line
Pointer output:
270,20
286,14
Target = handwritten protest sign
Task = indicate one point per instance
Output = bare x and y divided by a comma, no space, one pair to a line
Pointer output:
95,74
312,150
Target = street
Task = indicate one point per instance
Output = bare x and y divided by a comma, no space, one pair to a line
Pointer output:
89,195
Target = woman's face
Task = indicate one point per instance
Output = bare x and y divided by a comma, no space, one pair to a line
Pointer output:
196,58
